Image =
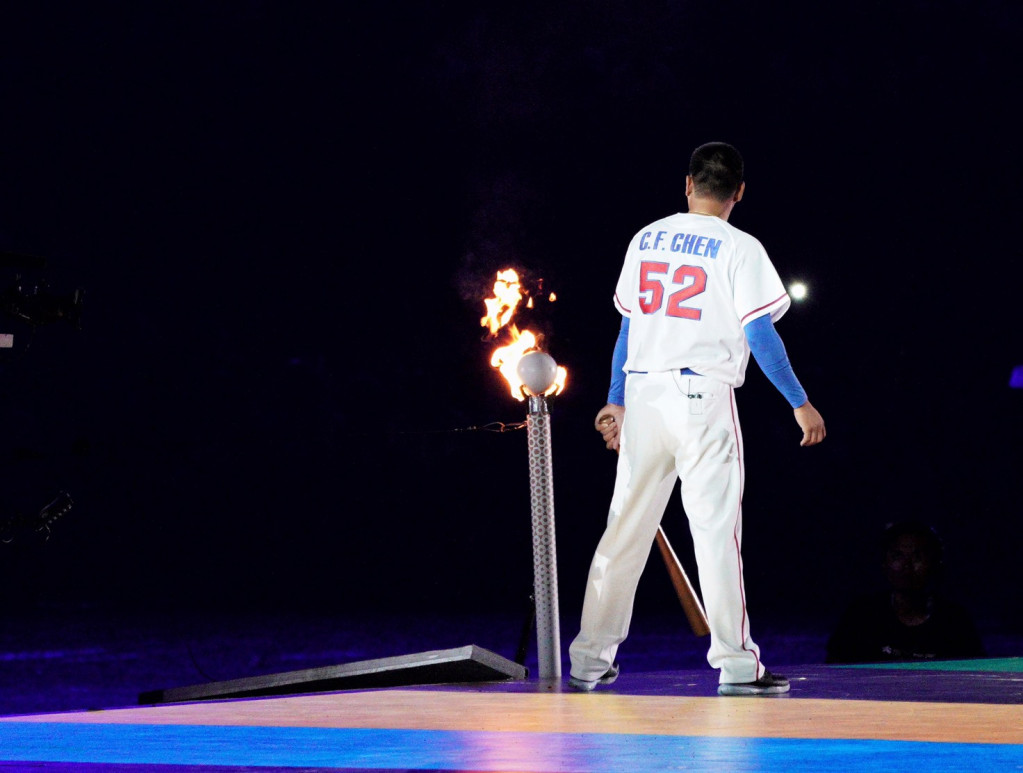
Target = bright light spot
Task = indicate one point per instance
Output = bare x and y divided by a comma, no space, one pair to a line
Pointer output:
798,291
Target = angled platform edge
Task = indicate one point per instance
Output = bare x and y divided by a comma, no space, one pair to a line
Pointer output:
453,666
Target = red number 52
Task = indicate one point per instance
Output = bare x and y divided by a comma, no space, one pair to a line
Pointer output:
692,280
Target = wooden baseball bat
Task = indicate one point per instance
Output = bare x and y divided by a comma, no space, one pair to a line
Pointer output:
683,588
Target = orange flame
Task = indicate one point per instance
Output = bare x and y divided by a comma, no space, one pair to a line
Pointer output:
501,309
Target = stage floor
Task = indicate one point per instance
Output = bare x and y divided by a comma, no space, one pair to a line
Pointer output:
964,715
69,692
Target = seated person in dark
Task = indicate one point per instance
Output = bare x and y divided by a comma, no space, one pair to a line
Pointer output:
910,620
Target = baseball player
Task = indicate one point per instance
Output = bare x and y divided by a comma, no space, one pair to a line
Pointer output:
697,295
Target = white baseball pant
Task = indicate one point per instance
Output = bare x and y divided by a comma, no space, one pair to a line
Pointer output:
685,426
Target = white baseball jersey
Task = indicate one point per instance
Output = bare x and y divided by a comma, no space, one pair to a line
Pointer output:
689,284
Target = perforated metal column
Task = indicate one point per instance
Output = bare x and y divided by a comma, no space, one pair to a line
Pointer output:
545,563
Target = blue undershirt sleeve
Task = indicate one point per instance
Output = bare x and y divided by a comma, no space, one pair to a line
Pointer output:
769,352
616,394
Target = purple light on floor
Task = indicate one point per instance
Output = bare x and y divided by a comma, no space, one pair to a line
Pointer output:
1016,379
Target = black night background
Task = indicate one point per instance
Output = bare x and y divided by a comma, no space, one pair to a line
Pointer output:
285,216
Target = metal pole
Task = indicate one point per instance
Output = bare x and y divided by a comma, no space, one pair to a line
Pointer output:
545,563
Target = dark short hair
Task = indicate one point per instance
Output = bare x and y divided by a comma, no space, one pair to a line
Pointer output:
926,533
716,169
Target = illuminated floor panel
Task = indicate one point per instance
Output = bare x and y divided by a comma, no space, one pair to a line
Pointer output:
387,749
967,717
491,709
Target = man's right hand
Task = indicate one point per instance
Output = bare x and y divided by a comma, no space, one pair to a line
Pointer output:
609,424
812,424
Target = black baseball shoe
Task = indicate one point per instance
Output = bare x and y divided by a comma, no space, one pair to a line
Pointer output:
581,684
768,684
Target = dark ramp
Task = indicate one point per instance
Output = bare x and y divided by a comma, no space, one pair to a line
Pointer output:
454,666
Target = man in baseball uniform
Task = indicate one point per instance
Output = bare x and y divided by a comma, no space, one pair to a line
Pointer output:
697,295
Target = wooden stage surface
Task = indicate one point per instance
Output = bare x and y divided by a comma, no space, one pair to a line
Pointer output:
965,715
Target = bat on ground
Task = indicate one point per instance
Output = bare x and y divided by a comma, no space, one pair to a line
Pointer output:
683,588
679,579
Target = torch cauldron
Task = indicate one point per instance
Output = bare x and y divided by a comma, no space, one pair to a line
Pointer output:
538,372
533,374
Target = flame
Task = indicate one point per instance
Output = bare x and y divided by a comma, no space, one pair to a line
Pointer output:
501,309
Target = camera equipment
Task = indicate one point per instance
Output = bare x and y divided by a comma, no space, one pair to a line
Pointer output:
35,304
33,301
20,524
30,303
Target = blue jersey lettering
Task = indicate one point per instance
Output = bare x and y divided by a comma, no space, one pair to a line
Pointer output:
695,245
690,244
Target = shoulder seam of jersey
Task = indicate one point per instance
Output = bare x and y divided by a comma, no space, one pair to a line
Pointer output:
780,298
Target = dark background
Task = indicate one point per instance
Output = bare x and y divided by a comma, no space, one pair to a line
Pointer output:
285,217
